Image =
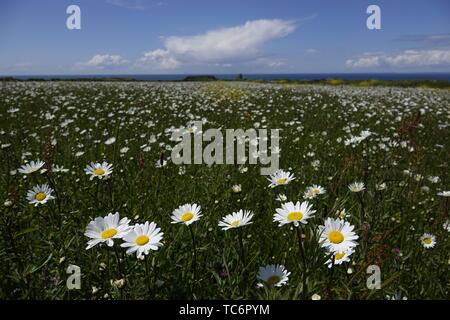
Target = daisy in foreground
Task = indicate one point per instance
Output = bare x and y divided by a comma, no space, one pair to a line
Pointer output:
143,238
337,235
273,275
340,257
40,194
105,229
31,167
236,220
356,186
280,178
99,170
293,213
428,240
187,214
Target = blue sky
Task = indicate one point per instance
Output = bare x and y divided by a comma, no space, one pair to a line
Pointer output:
233,36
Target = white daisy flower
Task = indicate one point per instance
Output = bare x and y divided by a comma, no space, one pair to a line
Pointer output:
57,168
143,238
293,213
40,194
110,141
356,186
315,190
381,186
99,170
31,167
444,194
273,275
308,195
337,235
105,229
187,214
191,128
236,219
280,177
236,188
428,240
340,257
342,214
281,197
160,163
446,225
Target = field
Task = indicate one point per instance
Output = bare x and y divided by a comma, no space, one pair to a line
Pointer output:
393,140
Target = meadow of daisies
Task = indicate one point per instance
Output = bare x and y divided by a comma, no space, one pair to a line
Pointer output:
87,181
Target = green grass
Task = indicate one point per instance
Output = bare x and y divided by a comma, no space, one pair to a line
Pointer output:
58,119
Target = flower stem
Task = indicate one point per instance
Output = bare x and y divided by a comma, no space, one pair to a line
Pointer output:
243,259
147,274
303,258
330,280
241,246
364,228
58,199
194,262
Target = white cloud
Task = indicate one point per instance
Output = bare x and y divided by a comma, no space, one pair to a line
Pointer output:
407,58
270,62
237,44
128,4
104,61
162,57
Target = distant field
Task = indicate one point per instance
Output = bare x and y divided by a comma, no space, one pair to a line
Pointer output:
395,140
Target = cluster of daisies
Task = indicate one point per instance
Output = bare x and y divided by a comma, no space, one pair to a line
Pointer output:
336,235
42,193
139,239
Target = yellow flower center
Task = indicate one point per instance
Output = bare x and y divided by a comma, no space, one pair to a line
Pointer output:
281,181
142,240
99,172
273,280
235,223
335,237
295,216
339,256
109,233
427,240
40,196
187,216
190,130
316,191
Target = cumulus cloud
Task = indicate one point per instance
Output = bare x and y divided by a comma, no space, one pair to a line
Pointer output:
104,61
163,57
407,58
222,46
